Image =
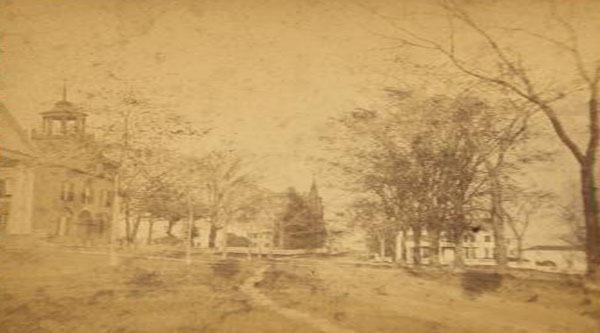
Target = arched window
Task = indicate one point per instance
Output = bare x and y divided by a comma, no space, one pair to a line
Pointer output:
87,194
68,191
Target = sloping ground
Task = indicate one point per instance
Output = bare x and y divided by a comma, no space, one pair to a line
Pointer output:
394,300
320,324
55,291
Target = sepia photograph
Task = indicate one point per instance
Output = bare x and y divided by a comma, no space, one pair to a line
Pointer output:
299,166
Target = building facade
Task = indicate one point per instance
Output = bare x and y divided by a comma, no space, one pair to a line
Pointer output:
53,184
478,247
287,221
73,191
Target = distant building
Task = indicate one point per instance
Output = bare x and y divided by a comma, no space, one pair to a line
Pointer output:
17,162
301,224
54,184
74,188
284,221
478,247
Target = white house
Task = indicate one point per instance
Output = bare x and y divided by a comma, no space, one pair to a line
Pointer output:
478,247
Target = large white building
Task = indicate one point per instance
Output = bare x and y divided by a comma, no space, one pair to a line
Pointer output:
478,248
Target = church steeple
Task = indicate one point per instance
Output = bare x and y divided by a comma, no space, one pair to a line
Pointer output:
314,192
314,200
64,91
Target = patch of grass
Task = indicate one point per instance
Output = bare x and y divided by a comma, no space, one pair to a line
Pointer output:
276,279
227,268
146,278
476,283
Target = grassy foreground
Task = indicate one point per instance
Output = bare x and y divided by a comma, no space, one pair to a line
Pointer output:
401,300
55,291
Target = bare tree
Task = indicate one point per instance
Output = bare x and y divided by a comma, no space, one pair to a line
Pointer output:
135,137
424,163
518,213
572,215
368,214
507,133
229,182
508,73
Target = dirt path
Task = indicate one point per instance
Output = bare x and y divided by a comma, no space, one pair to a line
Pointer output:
320,324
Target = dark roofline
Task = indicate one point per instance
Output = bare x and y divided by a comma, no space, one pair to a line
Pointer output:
81,171
20,131
64,111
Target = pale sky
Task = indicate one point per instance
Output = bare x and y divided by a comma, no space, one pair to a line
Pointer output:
267,74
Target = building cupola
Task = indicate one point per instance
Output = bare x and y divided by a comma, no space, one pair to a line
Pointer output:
63,120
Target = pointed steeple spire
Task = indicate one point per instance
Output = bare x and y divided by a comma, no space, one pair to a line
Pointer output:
313,188
314,200
64,91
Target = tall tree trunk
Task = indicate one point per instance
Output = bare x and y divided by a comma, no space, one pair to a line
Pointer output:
224,239
497,219
590,205
519,249
434,247
212,236
127,221
136,227
172,223
188,234
417,246
403,256
381,239
459,252
394,246
116,212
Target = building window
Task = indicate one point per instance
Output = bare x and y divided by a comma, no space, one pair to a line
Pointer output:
488,239
68,192
87,195
425,253
468,238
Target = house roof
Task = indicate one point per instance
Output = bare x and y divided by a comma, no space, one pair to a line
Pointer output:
65,109
12,136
